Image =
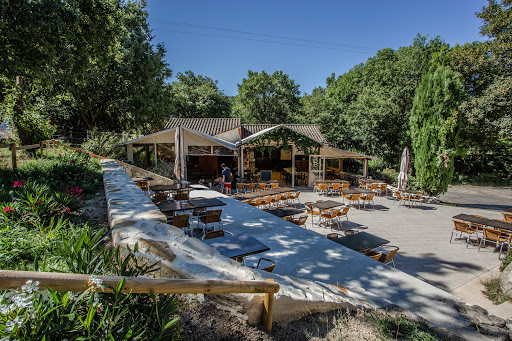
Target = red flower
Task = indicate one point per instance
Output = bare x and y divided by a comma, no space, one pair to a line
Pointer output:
19,183
8,209
93,155
67,209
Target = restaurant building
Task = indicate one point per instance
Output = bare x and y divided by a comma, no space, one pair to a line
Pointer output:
295,154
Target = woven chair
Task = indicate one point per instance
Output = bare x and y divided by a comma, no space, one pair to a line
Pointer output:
383,188
301,221
495,236
274,185
268,267
180,195
362,183
353,198
373,187
143,185
267,203
416,198
251,187
463,228
262,186
507,217
344,212
240,187
329,217
215,234
159,197
310,210
275,201
181,221
322,189
211,217
345,186
401,198
368,197
256,202
295,196
335,188
384,257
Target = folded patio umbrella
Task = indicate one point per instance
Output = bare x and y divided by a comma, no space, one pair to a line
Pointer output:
404,167
178,151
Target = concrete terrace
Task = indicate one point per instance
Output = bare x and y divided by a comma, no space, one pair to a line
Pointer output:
428,266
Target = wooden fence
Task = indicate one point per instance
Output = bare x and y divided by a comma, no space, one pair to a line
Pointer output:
11,279
41,146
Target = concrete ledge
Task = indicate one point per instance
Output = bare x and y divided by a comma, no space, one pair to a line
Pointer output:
135,172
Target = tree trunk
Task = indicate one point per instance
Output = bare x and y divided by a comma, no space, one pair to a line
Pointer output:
19,110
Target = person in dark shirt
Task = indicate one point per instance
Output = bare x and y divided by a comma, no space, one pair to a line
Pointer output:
226,178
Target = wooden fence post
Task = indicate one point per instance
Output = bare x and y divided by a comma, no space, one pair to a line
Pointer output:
268,309
41,146
13,151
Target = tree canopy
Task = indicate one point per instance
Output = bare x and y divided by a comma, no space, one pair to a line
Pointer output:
265,98
198,96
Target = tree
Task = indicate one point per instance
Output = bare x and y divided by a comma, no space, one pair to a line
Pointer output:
370,104
198,96
265,98
435,125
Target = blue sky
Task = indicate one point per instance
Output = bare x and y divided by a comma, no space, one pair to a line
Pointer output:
308,40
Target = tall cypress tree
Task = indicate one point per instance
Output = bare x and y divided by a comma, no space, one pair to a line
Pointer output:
435,125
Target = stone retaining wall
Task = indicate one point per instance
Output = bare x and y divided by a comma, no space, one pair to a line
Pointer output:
135,219
135,172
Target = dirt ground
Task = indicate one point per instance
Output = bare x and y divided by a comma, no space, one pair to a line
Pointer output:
206,322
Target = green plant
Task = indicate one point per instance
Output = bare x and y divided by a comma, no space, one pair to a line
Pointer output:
493,291
163,168
506,261
398,325
106,144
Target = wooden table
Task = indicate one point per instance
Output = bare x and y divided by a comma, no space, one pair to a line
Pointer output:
206,202
175,206
173,187
264,193
484,221
356,191
285,212
237,245
328,204
361,241
332,182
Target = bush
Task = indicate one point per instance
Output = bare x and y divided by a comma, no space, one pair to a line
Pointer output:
163,168
105,144
32,128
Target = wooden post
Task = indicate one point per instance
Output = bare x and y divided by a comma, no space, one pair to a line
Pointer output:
41,147
13,151
365,169
268,310
293,166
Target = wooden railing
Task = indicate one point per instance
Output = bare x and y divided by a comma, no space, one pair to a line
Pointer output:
41,146
10,279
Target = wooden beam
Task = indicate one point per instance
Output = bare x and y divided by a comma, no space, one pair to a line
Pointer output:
11,279
41,147
13,151
268,309
30,146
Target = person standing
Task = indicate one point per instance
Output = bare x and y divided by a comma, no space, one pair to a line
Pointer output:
226,178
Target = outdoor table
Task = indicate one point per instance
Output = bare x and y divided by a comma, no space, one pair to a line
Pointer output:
484,221
332,182
237,245
285,212
328,204
145,179
410,191
259,194
175,206
206,202
173,187
508,210
281,190
372,181
356,191
361,241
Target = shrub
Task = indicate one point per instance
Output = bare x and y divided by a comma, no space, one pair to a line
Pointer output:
106,144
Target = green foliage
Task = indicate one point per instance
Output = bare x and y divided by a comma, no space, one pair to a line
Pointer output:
400,326
264,98
62,170
285,137
435,125
367,109
163,168
506,261
198,96
493,291
105,144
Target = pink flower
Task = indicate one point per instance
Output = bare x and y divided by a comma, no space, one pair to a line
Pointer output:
67,209
19,183
58,211
93,155
8,209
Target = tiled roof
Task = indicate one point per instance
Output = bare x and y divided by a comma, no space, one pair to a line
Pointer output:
210,126
310,130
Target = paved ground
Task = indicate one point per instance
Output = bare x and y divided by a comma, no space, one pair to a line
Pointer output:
421,233
490,198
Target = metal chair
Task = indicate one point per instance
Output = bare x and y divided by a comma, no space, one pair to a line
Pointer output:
240,187
368,197
215,234
211,217
312,211
251,187
181,221
383,257
463,227
353,198
181,195
495,236
159,197
330,216
267,268
344,213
